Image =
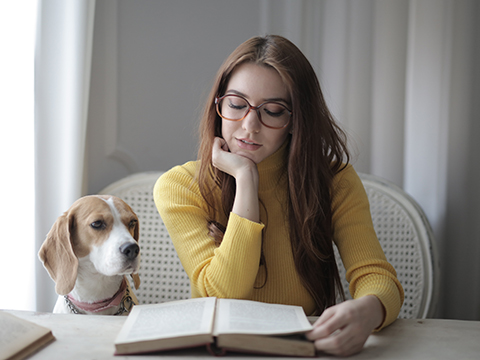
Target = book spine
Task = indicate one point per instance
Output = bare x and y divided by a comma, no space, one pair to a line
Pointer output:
214,350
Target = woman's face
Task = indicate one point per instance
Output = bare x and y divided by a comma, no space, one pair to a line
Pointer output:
249,137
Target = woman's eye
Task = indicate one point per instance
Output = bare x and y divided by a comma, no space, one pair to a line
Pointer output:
274,109
98,225
274,112
236,106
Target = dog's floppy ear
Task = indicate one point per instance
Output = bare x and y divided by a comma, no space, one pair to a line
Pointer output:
136,280
58,257
136,236
136,231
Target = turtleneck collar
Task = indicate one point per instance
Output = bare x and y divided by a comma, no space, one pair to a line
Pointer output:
273,168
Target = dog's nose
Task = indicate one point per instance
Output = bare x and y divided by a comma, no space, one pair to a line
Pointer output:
130,250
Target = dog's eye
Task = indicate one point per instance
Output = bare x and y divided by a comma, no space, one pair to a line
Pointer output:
132,224
98,225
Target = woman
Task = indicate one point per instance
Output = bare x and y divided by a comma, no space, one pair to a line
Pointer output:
256,216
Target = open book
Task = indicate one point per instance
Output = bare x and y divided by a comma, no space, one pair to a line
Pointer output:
19,337
220,324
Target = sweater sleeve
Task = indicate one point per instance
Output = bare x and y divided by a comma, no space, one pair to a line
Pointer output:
227,271
367,269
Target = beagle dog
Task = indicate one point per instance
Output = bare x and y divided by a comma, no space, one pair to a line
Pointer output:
89,251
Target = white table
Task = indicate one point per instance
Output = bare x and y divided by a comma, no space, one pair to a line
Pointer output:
91,337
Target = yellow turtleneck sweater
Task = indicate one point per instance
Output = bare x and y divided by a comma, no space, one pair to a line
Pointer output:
232,269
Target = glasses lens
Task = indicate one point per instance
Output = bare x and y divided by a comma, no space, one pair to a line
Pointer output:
233,107
272,114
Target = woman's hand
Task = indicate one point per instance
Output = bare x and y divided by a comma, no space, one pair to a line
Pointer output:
228,162
343,329
245,173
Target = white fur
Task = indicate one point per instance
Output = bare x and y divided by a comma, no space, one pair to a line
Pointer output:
101,272
106,258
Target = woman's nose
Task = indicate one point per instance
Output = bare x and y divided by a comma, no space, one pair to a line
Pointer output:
252,123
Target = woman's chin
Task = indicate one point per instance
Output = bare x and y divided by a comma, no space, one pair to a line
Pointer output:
247,155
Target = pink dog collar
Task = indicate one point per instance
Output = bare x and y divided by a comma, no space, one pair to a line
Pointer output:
102,304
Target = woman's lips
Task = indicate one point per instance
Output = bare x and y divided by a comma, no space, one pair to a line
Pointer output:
247,144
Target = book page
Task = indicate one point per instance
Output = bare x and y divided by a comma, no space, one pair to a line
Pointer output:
17,333
252,317
170,319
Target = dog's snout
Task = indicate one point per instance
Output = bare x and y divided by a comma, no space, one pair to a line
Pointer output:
130,250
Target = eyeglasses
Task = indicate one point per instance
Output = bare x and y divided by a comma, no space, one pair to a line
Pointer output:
272,114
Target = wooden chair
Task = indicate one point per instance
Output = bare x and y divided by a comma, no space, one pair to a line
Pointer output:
407,240
401,226
161,273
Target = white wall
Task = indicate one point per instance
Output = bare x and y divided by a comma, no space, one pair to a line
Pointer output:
403,77
153,64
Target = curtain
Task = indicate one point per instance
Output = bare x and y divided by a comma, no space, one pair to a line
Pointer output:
403,79
62,78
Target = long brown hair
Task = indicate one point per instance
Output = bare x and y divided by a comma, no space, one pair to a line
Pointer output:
317,152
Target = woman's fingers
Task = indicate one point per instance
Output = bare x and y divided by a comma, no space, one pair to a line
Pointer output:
219,153
326,325
228,162
341,343
343,329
